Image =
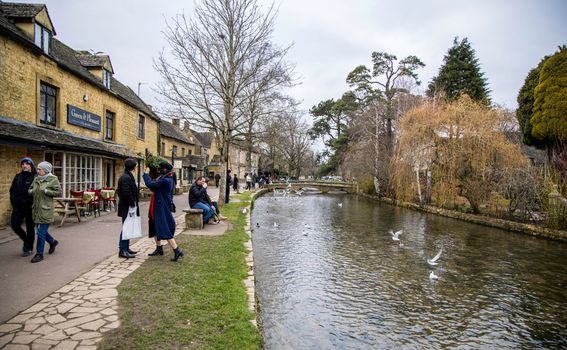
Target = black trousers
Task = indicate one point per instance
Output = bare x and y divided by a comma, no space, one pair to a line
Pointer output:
28,236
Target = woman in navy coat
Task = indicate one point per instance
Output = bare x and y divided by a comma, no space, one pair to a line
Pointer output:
160,208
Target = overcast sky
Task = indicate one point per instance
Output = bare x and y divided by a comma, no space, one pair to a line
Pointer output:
331,37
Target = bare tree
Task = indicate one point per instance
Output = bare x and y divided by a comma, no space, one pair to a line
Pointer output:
214,62
295,142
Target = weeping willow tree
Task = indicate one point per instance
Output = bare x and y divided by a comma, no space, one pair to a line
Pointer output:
461,145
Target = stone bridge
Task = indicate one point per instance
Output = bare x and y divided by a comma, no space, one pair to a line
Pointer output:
323,186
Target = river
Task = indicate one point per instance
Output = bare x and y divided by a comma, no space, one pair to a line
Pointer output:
330,276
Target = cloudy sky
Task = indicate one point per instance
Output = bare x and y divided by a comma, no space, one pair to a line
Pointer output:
331,37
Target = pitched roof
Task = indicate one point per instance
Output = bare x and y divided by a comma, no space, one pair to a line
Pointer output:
66,58
169,130
19,11
19,132
204,138
89,60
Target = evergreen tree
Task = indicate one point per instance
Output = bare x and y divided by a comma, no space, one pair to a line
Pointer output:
550,106
526,99
460,73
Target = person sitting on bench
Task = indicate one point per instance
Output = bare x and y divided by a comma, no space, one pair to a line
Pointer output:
199,199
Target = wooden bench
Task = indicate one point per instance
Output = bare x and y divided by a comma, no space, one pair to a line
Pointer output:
193,219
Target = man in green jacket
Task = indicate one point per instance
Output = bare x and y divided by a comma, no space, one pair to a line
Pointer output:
43,189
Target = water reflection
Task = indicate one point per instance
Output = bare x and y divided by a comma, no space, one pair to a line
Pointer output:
348,285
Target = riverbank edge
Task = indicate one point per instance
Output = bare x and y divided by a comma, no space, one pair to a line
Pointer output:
517,227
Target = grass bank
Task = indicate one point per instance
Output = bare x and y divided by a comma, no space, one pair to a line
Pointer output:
200,303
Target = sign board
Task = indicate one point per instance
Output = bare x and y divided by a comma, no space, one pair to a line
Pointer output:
177,164
84,119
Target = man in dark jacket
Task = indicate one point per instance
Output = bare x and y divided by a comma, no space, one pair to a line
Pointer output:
128,197
22,204
217,180
228,183
199,199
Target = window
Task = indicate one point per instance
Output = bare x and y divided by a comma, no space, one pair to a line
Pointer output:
42,37
183,151
141,127
47,104
163,149
174,150
106,78
82,172
189,152
109,126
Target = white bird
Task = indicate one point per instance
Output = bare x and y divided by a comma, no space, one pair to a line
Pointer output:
433,261
340,205
307,226
396,236
276,224
433,276
244,211
304,233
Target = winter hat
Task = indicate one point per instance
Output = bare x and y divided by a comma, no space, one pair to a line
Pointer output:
27,160
46,166
129,164
165,165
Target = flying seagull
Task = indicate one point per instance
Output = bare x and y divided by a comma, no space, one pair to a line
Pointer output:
396,236
433,261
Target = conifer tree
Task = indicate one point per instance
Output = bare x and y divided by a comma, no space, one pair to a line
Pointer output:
460,74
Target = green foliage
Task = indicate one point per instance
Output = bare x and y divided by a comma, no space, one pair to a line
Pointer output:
526,99
460,74
153,161
550,106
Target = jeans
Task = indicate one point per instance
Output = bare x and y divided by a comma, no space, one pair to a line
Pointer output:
42,236
28,236
207,211
123,244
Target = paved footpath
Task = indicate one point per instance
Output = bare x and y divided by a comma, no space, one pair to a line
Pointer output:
76,315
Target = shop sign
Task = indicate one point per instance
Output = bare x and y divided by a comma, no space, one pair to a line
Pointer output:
84,119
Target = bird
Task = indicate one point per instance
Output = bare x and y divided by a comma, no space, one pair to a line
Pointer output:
396,236
433,261
244,211
305,233
340,205
257,225
433,276
307,226
276,224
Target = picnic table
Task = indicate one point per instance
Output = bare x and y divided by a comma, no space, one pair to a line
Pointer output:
67,206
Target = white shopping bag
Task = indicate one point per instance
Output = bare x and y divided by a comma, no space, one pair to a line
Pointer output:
132,227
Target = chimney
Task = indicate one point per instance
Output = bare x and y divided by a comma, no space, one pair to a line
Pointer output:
186,125
175,123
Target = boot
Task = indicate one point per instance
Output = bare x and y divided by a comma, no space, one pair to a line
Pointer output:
133,252
178,254
158,251
125,255
52,247
37,258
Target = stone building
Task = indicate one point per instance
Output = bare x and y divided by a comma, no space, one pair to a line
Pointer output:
64,106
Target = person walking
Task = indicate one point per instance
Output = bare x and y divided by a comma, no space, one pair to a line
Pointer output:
160,209
217,179
128,197
235,183
44,187
248,178
22,204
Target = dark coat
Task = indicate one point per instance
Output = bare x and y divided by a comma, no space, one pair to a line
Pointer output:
19,197
164,221
128,194
197,194
235,183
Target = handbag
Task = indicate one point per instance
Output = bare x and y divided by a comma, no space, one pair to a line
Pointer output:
132,227
173,207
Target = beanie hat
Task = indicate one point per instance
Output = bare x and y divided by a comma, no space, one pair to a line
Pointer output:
129,164
46,166
165,165
27,160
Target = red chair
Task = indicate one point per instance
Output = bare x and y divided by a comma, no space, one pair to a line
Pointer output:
95,203
110,201
80,204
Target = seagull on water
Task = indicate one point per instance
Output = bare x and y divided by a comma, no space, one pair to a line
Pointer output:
340,205
396,236
433,276
307,226
276,224
433,261
305,233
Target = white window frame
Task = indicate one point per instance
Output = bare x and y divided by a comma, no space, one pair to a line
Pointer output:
42,37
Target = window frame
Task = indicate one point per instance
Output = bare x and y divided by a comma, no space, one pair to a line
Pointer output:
42,37
106,128
44,103
106,78
141,127
174,150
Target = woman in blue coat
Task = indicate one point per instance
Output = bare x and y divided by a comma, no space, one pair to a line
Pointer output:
160,208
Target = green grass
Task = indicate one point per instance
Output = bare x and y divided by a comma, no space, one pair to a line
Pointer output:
200,303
